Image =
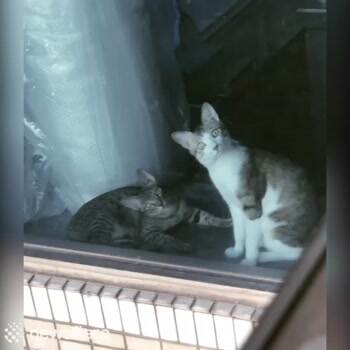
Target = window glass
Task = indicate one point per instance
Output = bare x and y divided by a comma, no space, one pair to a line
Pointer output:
144,125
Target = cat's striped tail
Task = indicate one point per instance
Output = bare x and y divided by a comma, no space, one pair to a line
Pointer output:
77,235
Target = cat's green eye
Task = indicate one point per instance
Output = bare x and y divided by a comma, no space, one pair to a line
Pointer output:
215,132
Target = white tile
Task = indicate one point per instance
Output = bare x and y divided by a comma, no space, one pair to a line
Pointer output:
93,311
205,329
41,343
243,329
129,316
185,326
39,327
73,332
41,301
106,338
28,304
148,320
59,305
76,307
65,345
166,321
142,344
111,313
224,332
174,346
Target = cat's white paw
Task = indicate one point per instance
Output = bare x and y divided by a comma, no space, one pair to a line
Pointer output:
249,262
233,252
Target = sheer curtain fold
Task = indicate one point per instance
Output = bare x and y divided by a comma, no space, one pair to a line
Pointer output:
103,95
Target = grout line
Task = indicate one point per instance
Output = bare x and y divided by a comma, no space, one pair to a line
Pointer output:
215,333
157,323
31,294
86,316
51,309
234,333
102,312
175,320
66,300
121,320
137,312
194,321
25,339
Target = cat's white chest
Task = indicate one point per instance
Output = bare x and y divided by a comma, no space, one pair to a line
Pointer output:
225,174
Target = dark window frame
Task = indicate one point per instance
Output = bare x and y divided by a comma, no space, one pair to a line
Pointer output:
288,300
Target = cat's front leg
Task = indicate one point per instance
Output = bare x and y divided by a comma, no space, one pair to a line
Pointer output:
203,218
252,242
239,233
157,240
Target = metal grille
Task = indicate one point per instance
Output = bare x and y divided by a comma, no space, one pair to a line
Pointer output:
72,314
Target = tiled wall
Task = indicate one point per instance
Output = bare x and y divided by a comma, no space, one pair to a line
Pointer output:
71,314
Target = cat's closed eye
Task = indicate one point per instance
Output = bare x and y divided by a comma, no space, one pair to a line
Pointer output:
150,206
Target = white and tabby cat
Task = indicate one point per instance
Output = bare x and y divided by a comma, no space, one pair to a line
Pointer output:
271,202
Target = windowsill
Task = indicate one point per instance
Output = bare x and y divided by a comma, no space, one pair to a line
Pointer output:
221,273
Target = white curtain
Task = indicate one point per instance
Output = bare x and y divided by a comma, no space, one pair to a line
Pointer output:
102,94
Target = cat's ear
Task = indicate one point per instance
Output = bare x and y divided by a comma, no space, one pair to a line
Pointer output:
208,113
133,202
186,139
145,178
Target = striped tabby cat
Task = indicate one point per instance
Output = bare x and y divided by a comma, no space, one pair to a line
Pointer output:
138,217
271,201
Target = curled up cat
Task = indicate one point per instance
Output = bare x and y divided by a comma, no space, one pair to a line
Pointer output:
139,216
271,201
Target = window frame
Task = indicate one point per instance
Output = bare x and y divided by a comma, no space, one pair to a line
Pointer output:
297,285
